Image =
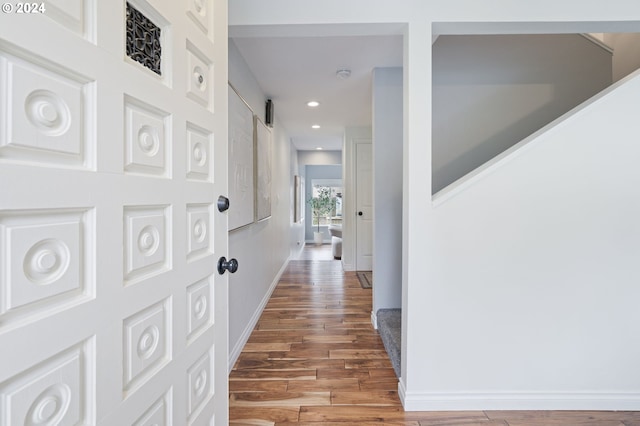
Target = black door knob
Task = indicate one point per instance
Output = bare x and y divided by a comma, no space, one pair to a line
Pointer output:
359,213
230,265
223,203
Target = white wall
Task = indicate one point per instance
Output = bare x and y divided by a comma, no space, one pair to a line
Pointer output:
262,248
425,284
553,256
492,91
387,188
318,158
351,135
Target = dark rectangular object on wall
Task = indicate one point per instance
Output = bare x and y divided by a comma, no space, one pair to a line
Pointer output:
268,117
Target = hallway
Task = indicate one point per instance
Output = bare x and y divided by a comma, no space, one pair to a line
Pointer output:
314,358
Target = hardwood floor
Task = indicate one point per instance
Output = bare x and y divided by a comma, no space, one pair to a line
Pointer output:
314,358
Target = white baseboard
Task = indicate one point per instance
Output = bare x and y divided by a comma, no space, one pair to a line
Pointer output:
374,320
427,401
349,267
237,349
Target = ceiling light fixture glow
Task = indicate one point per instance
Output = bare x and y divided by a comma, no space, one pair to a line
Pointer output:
315,126
313,104
319,148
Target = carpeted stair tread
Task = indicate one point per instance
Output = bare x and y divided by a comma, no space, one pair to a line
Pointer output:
390,329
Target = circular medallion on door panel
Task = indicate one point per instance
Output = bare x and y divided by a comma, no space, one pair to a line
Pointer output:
46,261
50,407
199,154
48,112
149,140
148,342
200,384
200,307
200,230
148,240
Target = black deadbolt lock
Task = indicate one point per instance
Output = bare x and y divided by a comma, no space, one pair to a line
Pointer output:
223,203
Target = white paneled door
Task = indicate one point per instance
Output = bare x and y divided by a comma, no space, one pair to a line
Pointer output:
113,152
364,205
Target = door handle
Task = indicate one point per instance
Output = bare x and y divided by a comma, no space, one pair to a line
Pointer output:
230,265
359,213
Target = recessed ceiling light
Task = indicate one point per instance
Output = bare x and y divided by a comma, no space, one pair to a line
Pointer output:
315,126
319,148
313,104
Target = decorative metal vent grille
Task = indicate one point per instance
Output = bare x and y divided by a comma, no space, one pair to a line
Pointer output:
143,40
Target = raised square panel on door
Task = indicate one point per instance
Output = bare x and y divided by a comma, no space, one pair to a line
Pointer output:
73,15
46,260
146,138
199,161
199,304
146,234
147,344
199,385
43,115
200,76
58,391
159,414
199,230
200,11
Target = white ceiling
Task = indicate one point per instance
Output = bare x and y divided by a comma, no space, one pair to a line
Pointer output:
294,70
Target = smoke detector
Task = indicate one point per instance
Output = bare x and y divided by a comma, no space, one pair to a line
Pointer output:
343,73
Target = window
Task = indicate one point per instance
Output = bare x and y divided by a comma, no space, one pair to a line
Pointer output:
332,188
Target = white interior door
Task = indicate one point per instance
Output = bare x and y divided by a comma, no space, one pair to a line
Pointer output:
364,206
113,151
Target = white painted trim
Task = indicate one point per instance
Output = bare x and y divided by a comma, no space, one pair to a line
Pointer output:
460,401
600,43
402,391
244,337
374,320
348,267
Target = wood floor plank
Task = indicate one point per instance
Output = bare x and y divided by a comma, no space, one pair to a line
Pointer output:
367,363
323,385
356,414
382,373
318,353
279,399
266,347
308,374
462,422
379,384
358,354
258,385
315,359
297,364
359,423
245,415
342,373
375,398
564,417
330,338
